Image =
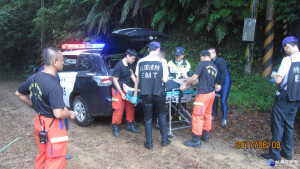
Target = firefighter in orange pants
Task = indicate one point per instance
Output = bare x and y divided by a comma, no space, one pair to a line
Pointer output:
206,72
46,97
55,150
122,74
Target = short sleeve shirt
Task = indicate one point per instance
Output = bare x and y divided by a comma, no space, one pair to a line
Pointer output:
285,66
45,92
123,73
207,72
151,70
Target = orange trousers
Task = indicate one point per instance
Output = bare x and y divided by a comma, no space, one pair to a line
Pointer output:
53,153
202,118
119,105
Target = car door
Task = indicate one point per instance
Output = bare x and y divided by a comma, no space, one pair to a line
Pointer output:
68,76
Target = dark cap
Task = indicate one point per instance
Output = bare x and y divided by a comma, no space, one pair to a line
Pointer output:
204,53
179,51
287,40
154,44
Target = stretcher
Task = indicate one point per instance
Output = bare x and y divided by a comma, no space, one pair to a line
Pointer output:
178,97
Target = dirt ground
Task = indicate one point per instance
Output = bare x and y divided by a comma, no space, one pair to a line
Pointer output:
94,147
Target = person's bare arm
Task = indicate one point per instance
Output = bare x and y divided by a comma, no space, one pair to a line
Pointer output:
278,79
135,83
189,82
63,113
117,84
24,98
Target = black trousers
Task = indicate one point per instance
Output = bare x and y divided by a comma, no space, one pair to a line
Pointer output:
154,104
282,124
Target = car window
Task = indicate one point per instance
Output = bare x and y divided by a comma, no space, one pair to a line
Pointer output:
70,63
113,59
84,63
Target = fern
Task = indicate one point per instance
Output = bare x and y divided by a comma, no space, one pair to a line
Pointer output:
137,6
127,6
162,3
199,24
220,32
214,17
158,16
161,25
172,15
225,12
218,3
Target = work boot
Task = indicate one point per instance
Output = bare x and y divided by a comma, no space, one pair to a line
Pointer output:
195,142
270,156
223,123
284,155
205,136
115,130
132,127
148,125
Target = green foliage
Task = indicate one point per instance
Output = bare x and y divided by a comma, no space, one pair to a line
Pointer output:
285,10
127,6
158,16
220,32
252,92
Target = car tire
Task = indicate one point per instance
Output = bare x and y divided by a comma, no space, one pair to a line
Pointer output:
83,116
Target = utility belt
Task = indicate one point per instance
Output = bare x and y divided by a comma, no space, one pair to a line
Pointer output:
48,115
43,133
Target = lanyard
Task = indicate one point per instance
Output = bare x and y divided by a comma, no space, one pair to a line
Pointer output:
44,123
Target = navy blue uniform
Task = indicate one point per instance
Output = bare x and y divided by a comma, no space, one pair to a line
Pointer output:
224,80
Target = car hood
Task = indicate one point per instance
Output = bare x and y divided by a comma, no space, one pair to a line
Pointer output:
135,38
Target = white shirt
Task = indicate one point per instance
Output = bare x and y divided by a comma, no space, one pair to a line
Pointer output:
285,65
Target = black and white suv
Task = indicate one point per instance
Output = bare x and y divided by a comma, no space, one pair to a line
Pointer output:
86,77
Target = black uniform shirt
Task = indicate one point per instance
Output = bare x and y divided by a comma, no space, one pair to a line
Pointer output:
207,72
123,73
45,92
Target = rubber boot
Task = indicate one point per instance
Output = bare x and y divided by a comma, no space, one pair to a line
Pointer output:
132,127
205,136
163,129
195,142
223,123
148,125
115,130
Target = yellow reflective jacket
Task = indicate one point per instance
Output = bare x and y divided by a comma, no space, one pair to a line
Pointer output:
176,71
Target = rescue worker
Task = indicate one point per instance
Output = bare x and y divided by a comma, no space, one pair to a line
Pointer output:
179,68
122,74
222,87
286,102
68,156
152,73
206,72
47,100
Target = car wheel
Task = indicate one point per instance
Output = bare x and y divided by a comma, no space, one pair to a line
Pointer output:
83,117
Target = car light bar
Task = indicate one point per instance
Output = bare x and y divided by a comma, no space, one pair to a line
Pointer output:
82,46
74,46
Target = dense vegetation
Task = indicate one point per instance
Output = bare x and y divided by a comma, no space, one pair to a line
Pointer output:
193,24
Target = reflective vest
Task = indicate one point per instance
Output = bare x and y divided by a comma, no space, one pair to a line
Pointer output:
176,71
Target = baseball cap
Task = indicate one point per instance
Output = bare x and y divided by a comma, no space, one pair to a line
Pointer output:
204,53
154,44
287,40
179,51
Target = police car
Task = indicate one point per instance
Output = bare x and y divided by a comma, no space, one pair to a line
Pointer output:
86,77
